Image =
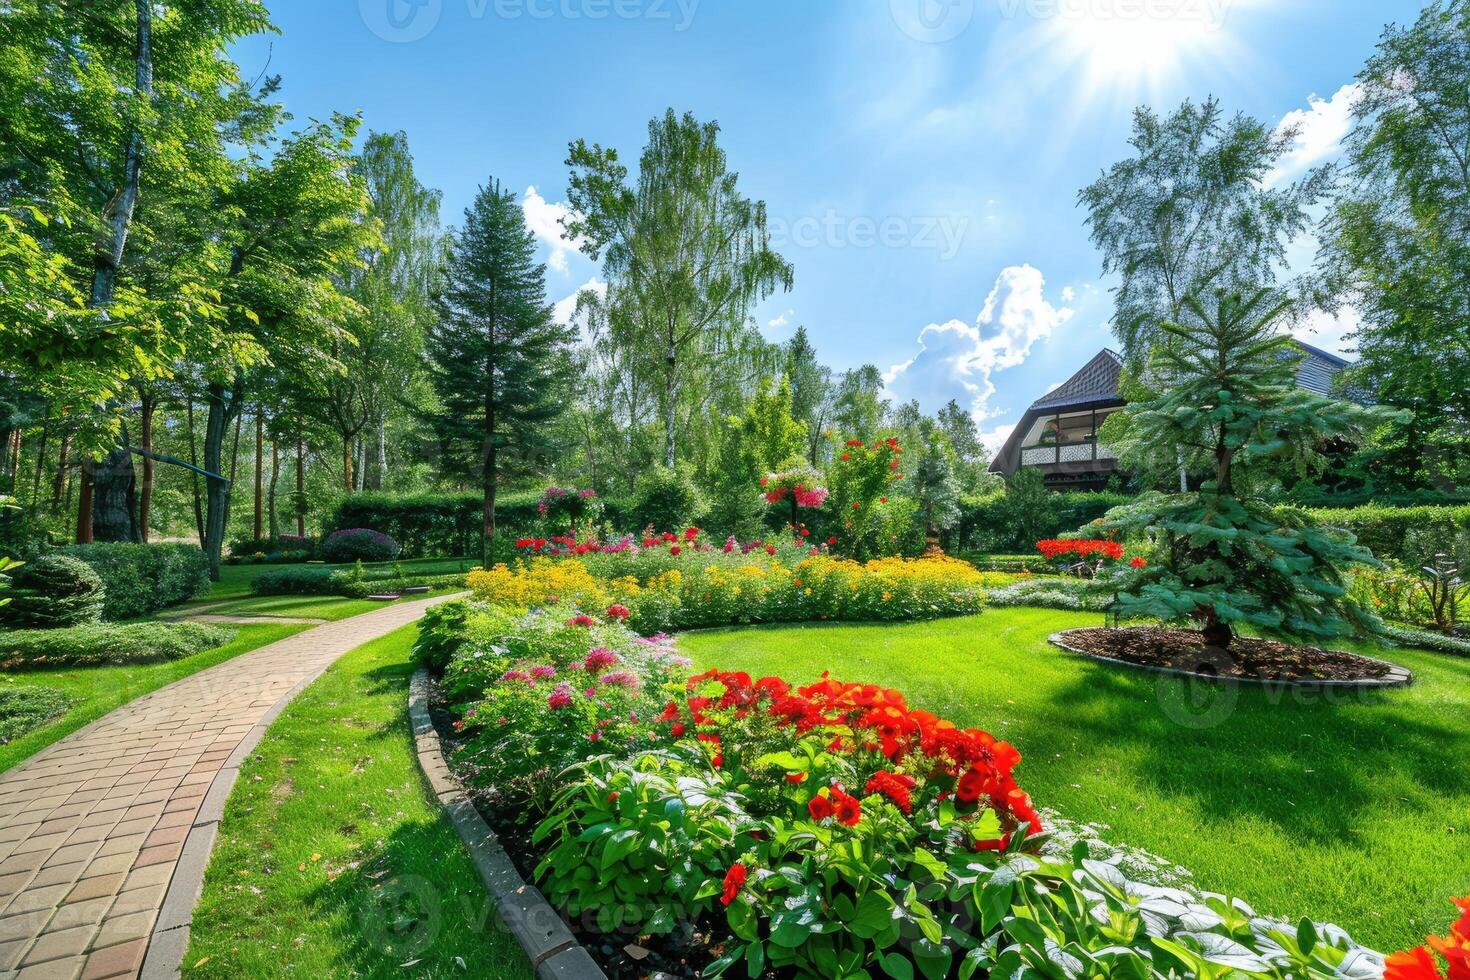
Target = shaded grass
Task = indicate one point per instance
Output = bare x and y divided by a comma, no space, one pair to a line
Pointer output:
1353,808
94,691
333,859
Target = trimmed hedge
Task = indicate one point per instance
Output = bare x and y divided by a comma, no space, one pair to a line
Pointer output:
444,525
1383,530
317,580
1010,524
106,643
52,591
143,578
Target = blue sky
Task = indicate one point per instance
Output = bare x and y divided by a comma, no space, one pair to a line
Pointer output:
919,159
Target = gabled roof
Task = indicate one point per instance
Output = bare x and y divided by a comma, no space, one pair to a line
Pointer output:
1318,369
1096,381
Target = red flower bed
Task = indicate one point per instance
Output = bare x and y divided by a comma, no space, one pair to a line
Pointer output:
1081,548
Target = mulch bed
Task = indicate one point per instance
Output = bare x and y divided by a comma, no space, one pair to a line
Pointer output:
623,956
1249,658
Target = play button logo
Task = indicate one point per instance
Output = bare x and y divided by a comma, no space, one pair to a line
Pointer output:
932,21
401,21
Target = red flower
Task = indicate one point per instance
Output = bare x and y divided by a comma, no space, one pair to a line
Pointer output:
734,881
617,611
770,549
796,778
612,797
846,808
1139,562
690,533
819,807
583,620
882,500
832,540
674,550
856,505
846,457
896,786
1415,964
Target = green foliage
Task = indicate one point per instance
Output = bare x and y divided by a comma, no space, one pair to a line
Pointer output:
860,480
441,635
667,498
1222,555
107,643
1394,242
144,578
358,544
52,591
1191,211
24,709
1012,522
935,485
1050,592
768,435
1386,531
432,524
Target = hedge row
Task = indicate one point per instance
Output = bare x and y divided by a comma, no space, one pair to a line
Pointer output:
1383,529
107,644
143,578
432,525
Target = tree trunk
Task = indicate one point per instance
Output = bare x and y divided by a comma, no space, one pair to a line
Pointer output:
114,496
223,405
300,482
488,468
193,475
84,503
347,462
234,460
271,497
145,501
259,528
1217,634
59,486
382,474
118,215
40,467
671,362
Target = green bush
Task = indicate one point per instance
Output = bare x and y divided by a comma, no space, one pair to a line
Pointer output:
668,499
1014,521
52,591
298,580
143,578
441,635
1385,530
24,709
107,643
359,544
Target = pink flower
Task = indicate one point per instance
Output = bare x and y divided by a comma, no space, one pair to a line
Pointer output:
515,675
544,672
599,659
560,698
730,544
620,678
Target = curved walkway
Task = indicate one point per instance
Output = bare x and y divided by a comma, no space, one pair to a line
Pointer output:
104,836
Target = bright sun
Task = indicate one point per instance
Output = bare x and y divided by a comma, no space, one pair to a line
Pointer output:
1137,43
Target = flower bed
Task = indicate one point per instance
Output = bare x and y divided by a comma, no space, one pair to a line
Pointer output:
724,822
665,589
1420,962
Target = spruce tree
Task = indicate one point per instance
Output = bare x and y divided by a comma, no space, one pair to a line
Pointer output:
499,362
1232,411
936,487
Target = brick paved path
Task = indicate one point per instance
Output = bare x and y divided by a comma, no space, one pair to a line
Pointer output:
93,828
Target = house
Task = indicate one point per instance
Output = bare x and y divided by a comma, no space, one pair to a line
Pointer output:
1058,433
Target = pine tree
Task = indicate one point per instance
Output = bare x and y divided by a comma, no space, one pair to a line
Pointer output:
935,485
1224,555
500,364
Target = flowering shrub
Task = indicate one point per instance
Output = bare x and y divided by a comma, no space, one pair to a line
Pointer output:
569,510
358,544
797,485
1420,963
1081,549
663,590
542,690
862,476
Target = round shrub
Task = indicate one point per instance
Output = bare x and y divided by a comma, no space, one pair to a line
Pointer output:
55,590
667,498
358,544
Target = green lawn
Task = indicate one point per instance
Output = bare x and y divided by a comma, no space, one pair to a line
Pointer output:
333,859
97,690
1356,812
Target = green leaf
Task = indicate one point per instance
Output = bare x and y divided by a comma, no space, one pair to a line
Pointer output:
896,965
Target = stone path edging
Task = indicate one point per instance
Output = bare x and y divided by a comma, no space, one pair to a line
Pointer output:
550,946
1396,677
105,834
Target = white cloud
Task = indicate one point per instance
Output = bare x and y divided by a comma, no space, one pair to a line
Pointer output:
565,309
956,360
1320,130
994,439
782,321
545,221
1068,294
1329,331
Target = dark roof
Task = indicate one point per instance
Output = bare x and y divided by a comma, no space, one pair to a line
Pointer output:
1097,381
1318,369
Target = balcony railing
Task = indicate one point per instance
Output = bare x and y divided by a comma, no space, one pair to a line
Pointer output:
1077,452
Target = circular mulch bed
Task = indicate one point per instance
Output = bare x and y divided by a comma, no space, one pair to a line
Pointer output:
1249,659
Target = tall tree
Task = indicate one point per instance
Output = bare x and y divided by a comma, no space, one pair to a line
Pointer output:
1225,555
500,364
811,389
1396,243
685,253
858,405
1192,210
935,486
971,461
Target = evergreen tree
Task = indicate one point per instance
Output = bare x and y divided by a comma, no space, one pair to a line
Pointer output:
935,485
500,364
811,390
1224,554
